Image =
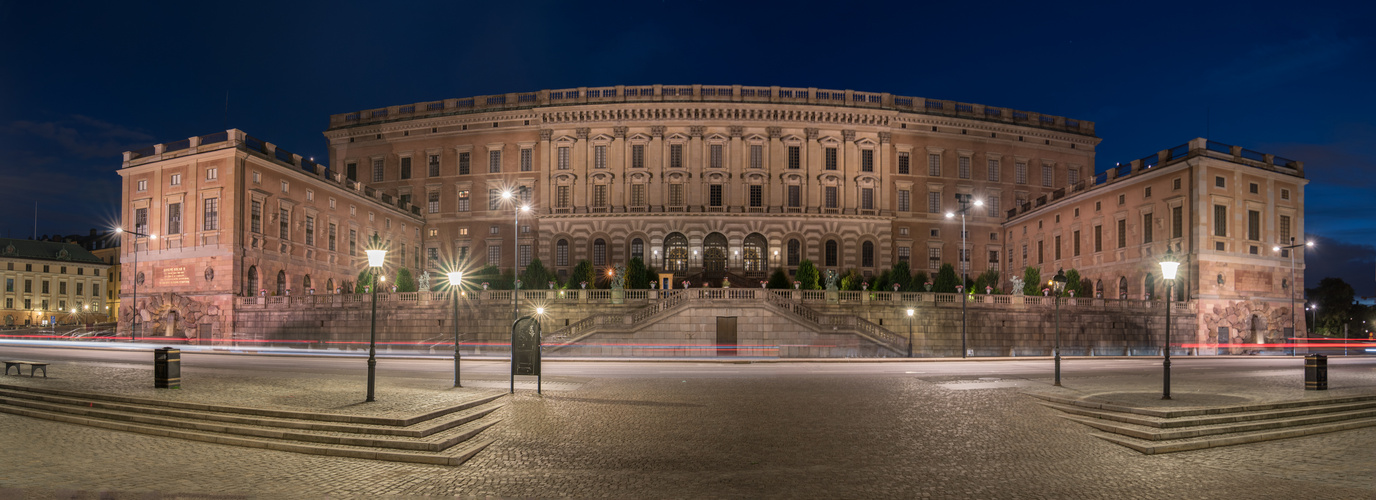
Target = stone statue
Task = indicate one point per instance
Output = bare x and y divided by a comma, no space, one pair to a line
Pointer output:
1017,285
619,277
424,281
831,280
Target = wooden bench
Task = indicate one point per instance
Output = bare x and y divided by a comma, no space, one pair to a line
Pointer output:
19,367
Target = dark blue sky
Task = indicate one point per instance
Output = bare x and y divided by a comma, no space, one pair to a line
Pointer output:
80,83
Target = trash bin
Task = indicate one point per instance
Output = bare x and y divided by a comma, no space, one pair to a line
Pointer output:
1316,372
167,368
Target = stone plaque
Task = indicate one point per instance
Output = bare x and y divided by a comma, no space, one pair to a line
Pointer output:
1252,281
173,276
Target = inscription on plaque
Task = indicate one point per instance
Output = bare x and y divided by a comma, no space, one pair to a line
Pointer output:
174,276
1252,281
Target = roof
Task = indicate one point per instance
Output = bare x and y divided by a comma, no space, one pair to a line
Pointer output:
46,250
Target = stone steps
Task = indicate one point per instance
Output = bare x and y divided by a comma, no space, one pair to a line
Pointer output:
447,437
1152,431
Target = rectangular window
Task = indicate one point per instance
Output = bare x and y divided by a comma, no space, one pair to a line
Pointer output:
904,254
599,195
1146,192
561,196
353,242
142,185
28,286
1122,233
933,202
563,159
1146,228
434,165
715,155
493,198
332,236
377,170
1254,225
463,201
527,159
433,200
494,255
350,172
599,157
212,174
934,165
1220,220
494,162
637,195
1041,256
255,217
867,198
406,167
830,155
904,163
675,156
756,195
176,180
432,257
174,218
284,224
45,286
465,163
992,205
756,156
1175,184
676,195
1098,238
867,160
795,158
994,171
832,196
638,156
9,284
1285,229
1020,173
1284,193
524,255
1057,247
934,258
795,196
963,167
141,220
286,187
1073,176
714,195
1048,175
904,201
561,254
310,231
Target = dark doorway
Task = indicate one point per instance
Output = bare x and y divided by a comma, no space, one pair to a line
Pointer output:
726,335
714,253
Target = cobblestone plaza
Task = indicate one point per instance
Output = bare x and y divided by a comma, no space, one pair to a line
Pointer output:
699,430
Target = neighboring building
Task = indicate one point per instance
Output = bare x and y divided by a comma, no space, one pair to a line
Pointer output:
725,179
231,215
110,255
1220,209
48,280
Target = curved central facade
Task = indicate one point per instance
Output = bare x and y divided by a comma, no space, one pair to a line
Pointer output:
711,178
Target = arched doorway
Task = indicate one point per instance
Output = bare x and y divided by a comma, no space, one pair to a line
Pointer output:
281,283
755,260
676,252
714,252
252,282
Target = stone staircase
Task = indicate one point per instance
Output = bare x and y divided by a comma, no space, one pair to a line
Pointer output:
448,436
1154,431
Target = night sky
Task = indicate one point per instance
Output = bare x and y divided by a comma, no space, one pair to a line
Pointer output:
81,83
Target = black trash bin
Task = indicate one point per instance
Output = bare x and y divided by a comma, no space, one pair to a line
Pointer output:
1316,372
167,368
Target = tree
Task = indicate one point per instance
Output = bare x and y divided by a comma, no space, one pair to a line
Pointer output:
1032,281
637,275
581,272
946,280
365,278
851,280
882,282
919,281
990,278
1334,298
1072,282
807,273
901,275
405,283
779,280
536,276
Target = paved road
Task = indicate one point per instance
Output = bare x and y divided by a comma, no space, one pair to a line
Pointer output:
944,429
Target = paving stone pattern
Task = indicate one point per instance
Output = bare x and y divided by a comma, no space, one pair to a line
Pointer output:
746,437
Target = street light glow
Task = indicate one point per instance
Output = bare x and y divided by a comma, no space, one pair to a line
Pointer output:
455,277
950,215
910,312
506,195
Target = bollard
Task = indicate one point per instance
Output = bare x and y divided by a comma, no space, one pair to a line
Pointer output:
1316,372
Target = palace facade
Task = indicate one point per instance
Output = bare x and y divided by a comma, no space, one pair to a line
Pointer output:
736,180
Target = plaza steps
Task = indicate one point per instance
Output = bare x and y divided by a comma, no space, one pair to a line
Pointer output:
449,436
1154,431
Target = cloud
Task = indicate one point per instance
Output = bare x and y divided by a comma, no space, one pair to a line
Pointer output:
1331,258
1285,61
79,136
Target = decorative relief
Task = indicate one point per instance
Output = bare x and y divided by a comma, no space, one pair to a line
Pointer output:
811,133
697,130
546,134
582,133
884,137
848,135
736,130
657,131
774,132
620,132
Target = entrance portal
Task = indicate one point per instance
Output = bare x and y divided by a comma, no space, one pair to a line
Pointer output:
714,252
726,335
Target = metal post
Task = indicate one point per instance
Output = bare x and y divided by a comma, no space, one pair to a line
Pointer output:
964,206
1166,365
372,340
516,263
134,328
457,289
910,336
1058,338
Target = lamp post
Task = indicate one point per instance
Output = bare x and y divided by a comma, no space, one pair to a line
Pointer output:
1058,284
456,283
134,328
910,332
963,258
516,256
1291,247
1313,318
376,257
1168,267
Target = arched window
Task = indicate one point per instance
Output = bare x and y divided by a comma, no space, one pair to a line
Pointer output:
714,252
1122,287
305,283
638,249
281,282
795,252
329,285
252,282
831,254
676,252
599,252
561,253
755,259
1148,287
1099,288
867,254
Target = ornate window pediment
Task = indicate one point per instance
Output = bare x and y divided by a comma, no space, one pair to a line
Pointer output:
676,176
565,141
639,177
866,143
717,139
639,139
565,179
867,180
600,178
601,140
755,178
829,141
755,139
676,138
829,180
716,177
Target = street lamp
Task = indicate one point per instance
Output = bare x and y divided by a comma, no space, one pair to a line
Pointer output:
377,256
1313,318
910,332
1168,266
1291,247
134,328
456,283
964,258
1058,283
516,255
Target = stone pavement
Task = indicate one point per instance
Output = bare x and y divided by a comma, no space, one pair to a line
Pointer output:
799,436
